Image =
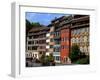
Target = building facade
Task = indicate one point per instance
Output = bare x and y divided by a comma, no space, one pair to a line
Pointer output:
58,38
36,42
70,30
80,32
50,41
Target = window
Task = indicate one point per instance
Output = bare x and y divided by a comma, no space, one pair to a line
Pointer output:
51,46
84,39
29,42
73,40
74,32
30,54
52,33
32,42
77,40
66,47
57,49
78,31
30,37
65,59
29,48
81,39
81,49
58,42
40,52
26,55
83,30
36,42
57,58
66,39
85,49
51,40
86,30
47,43
34,47
57,34
35,55
62,47
62,39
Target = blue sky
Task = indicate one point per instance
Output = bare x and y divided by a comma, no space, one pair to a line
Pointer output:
42,18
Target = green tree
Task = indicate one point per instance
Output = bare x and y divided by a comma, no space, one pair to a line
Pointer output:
36,24
28,26
50,58
74,55
46,59
42,58
83,60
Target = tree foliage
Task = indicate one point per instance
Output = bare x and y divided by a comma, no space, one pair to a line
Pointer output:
46,59
74,55
36,24
83,60
30,25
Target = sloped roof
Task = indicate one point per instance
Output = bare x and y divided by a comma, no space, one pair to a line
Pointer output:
38,28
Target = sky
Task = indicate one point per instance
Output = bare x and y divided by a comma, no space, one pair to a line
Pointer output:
42,18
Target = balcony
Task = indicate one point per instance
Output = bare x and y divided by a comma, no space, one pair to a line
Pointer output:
64,22
48,40
47,47
80,19
48,35
37,33
41,49
33,44
81,25
51,43
57,37
38,38
51,50
56,53
51,36
57,45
